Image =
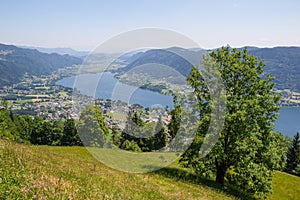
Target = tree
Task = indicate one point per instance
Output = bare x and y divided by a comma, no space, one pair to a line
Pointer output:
293,156
100,120
47,136
57,132
70,136
5,122
116,136
160,137
26,126
37,135
174,125
130,146
129,123
8,128
176,143
134,128
247,145
91,127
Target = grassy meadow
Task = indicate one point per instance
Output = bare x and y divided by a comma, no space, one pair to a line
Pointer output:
47,172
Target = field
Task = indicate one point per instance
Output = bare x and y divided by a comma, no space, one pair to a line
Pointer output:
285,186
44,172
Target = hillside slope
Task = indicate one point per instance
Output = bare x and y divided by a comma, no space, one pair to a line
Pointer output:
45,172
281,62
15,62
178,59
285,186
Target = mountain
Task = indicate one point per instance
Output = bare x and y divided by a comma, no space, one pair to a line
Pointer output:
177,58
15,62
131,56
60,51
281,62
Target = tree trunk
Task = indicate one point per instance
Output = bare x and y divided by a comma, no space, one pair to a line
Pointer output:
221,171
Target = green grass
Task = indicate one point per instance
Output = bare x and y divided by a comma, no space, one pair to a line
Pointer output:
285,186
131,161
46,172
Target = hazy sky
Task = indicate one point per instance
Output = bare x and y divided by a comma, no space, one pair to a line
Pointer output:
85,24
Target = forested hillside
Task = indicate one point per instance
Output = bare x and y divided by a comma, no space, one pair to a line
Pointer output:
15,62
281,62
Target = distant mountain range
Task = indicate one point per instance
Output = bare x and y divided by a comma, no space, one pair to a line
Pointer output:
15,62
281,62
61,51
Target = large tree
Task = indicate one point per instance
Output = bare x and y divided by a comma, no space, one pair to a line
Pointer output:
247,150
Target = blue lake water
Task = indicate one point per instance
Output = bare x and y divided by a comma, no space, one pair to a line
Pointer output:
288,121
106,86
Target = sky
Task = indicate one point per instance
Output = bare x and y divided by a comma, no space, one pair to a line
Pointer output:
85,24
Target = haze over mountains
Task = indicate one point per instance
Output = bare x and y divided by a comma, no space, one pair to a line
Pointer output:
60,51
282,62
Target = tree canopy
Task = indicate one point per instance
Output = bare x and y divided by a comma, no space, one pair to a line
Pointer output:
248,149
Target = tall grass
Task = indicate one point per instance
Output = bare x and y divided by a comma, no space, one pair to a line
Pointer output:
47,172
285,186
44,172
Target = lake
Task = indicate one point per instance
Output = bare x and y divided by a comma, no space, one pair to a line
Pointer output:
109,87
288,121
106,86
